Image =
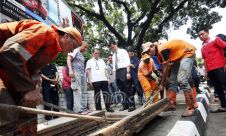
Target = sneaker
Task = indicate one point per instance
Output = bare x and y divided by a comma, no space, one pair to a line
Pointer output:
220,109
110,110
140,103
113,105
131,109
122,109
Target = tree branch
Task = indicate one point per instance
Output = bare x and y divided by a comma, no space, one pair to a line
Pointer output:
107,24
124,4
139,19
166,19
129,22
88,12
100,17
154,9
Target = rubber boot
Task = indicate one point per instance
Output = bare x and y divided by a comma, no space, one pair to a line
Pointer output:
171,96
189,104
194,97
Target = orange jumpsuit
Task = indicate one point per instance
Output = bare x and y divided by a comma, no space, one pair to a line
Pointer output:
147,84
25,47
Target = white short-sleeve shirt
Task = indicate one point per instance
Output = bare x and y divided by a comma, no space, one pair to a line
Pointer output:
78,61
97,69
123,59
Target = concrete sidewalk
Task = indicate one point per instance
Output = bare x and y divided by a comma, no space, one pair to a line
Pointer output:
216,125
165,122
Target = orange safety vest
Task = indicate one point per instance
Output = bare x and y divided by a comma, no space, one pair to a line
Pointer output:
31,44
178,49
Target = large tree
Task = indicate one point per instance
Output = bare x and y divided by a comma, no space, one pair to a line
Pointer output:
133,22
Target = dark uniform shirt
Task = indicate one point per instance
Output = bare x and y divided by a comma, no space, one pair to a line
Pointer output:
49,71
133,71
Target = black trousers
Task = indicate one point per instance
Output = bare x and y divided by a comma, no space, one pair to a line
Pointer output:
50,95
103,86
137,88
125,86
218,78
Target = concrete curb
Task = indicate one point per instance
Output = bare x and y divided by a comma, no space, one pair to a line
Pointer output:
194,125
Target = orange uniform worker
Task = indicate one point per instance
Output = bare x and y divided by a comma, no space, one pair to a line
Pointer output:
25,47
145,70
181,54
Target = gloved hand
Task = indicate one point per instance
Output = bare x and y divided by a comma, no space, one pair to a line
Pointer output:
32,98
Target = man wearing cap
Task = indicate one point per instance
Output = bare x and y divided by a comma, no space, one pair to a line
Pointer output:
121,69
181,54
25,47
145,70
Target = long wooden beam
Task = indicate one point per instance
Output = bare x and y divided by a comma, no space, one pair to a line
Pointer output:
46,112
71,126
134,122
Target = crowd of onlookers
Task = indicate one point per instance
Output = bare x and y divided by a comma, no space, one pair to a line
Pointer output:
28,45
122,74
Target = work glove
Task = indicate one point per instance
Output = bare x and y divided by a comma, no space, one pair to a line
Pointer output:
32,98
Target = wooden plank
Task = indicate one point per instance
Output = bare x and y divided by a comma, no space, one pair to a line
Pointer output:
64,125
8,107
134,122
83,129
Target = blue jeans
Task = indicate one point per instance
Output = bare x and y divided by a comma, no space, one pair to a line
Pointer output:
180,74
69,98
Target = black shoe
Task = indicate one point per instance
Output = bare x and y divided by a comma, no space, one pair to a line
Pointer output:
110,110
131,109
122,109
140,103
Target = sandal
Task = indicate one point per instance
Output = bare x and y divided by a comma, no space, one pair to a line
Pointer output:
84,113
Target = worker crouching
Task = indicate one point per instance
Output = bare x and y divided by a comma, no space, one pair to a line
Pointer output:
181,55
25,47
146,77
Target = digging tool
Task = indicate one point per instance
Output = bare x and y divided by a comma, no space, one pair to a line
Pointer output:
150,100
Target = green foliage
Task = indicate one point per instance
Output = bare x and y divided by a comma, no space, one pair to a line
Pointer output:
199,61
133,22
61,60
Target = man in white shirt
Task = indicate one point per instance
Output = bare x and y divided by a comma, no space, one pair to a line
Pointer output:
98,78
121,68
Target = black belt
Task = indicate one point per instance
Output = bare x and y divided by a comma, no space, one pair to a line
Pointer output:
120,69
